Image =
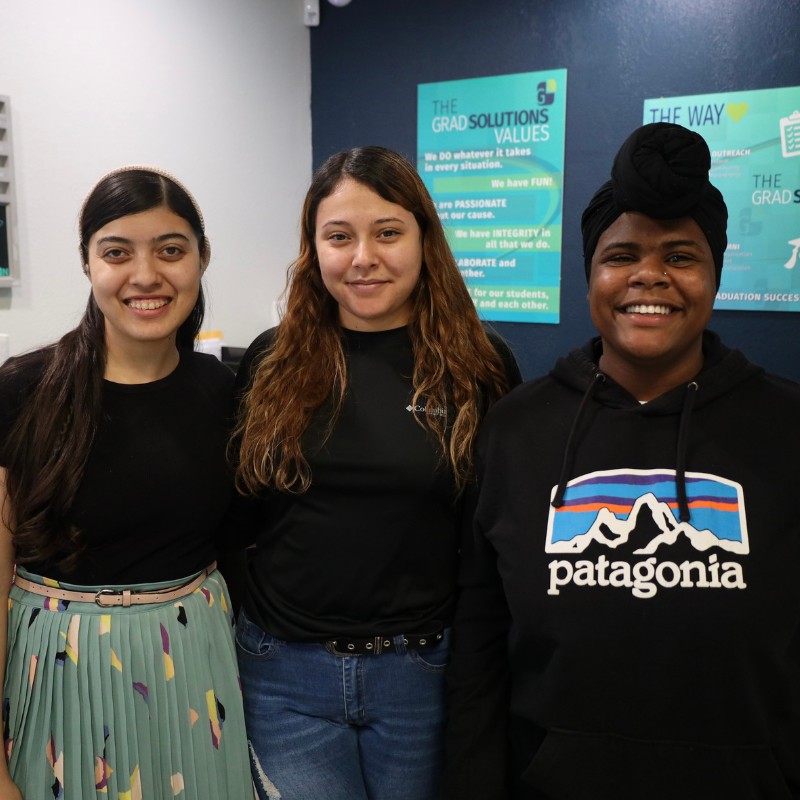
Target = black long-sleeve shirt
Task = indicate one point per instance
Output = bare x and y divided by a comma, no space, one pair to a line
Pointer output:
371,546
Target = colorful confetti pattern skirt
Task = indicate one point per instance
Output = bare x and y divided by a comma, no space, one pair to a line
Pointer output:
139,703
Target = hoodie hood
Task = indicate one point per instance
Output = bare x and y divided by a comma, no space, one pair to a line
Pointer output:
723,369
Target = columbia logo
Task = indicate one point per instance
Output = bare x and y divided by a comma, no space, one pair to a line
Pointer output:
437,412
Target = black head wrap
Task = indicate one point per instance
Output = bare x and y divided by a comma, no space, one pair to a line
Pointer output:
662,171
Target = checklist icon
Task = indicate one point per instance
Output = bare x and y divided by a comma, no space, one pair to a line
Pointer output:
790,135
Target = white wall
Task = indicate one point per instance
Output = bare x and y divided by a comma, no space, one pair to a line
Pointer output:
216,91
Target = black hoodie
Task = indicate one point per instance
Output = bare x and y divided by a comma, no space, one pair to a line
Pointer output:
604,647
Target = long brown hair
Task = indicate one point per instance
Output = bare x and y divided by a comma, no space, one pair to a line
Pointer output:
455,365
47,449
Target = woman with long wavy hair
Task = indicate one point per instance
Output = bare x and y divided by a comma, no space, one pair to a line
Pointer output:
357,419
120,675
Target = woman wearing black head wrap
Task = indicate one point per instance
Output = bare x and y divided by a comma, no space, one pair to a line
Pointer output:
629,622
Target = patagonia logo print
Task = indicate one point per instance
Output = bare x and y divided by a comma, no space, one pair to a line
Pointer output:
620,529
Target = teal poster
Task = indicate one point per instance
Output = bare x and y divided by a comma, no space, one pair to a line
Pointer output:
491,152
754,138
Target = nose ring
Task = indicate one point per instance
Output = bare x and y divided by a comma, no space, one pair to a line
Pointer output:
665,274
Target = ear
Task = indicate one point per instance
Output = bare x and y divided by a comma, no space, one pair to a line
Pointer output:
84,264
206,257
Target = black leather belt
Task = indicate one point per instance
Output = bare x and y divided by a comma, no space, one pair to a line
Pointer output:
375,645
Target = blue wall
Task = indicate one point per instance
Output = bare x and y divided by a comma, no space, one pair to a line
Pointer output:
368,57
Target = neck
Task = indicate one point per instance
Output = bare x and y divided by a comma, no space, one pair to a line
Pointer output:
646,381
144,362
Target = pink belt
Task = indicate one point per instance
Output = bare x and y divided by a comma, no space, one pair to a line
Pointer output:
116,597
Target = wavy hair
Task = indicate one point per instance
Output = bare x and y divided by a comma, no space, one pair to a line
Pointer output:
455,365
49,444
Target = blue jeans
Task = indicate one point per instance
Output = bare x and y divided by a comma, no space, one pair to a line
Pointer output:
326,727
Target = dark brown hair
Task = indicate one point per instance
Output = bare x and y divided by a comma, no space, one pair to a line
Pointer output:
47,449
455,365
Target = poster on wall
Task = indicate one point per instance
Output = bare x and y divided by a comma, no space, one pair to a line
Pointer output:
754,138
491,152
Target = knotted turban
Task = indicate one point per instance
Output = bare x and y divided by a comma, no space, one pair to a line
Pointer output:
661,171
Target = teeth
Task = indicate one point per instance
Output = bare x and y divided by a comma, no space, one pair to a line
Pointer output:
648,310
147,305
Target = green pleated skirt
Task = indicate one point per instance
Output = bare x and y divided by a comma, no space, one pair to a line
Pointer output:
139,703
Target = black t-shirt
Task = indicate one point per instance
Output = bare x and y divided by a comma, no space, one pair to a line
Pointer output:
371,546
156,484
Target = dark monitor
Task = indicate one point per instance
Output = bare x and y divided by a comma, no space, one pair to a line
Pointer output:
231,356
5,259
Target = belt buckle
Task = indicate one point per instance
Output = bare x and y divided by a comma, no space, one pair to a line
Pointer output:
105,593
330,646
378,645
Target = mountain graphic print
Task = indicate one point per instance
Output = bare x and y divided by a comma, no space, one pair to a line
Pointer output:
636,510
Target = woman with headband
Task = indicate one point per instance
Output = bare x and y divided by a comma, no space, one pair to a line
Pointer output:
120,675
629,624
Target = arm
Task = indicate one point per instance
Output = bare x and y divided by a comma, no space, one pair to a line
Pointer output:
8,791
478,679
238,530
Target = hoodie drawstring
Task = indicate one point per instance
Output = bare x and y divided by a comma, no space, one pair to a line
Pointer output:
680,458
558,499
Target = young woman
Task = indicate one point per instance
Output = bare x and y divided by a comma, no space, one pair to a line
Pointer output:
121,676
629,621
357,421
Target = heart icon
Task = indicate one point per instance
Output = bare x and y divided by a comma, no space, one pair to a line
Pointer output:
736,110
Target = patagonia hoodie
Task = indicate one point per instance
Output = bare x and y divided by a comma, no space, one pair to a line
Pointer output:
629,619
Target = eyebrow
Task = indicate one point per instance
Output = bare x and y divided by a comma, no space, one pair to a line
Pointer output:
664,246
123,240
380,221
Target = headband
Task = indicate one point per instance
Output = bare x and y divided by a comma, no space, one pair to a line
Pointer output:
156,171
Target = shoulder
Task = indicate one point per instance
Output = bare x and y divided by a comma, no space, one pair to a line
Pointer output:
208,368
730,374
206,378
510,365
535,390
262,342
19,377
777,394
252,357
529,400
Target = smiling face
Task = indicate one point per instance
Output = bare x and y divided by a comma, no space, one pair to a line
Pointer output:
145,271
370,256
651,291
